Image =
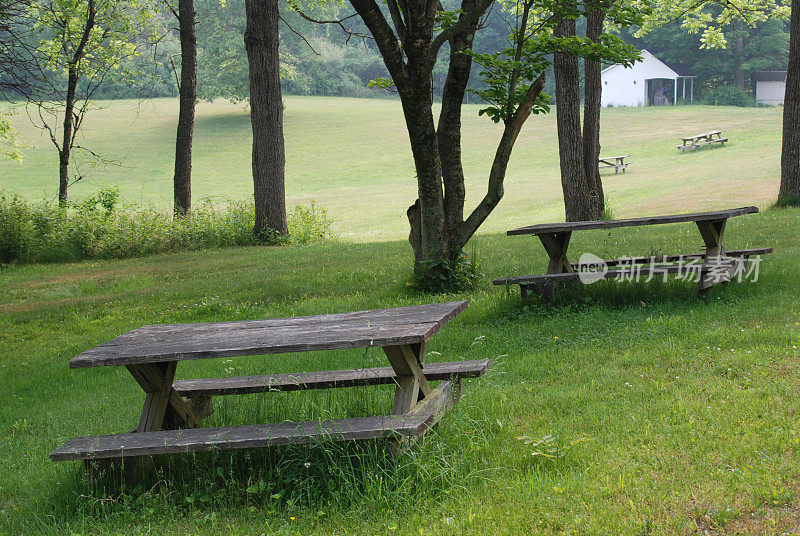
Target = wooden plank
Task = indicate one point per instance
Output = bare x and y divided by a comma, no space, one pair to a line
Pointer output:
174,342
239,437
575,276
324,379
631,222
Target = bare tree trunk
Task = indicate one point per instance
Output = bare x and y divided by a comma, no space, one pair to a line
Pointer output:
577,201
790,156
430,241
182,179
737,57
266,113
66,145
593,88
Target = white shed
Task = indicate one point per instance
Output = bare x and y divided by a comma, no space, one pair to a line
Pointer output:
649,82
770,87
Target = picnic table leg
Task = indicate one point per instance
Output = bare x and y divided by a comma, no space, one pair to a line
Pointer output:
407,360
712,233
163,406
556,245
413,394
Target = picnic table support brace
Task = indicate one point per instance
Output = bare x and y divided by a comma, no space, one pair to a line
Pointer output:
556,245
407,360
712,232
163,406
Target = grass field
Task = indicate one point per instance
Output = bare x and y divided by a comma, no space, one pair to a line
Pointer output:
683,408
689,404
344,151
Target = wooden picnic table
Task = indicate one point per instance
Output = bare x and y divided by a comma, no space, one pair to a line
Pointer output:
716,265
699,140
616,162
173,410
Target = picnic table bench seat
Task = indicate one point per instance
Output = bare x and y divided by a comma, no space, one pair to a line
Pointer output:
133,445
323,380
173,410
714,265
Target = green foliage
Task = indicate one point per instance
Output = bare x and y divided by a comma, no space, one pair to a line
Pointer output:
13,217
309,223
101,226
99,53
10,143
382,83
499,67
710,18
552,447
729,95
608,209
435,276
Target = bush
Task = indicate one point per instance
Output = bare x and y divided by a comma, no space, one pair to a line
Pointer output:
459,274
102,227
729,95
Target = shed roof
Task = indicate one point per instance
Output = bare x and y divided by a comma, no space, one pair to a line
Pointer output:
648,56
770,76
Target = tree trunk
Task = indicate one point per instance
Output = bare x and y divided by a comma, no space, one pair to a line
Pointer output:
593,89
577,199
266,114
737,56
790,156
182,179
66,144
430,241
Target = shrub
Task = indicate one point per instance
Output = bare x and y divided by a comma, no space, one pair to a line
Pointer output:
101,226
309,223
459,274
729,95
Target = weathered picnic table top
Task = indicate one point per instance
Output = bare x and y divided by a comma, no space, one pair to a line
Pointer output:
549,228
704,135
613,157
175,342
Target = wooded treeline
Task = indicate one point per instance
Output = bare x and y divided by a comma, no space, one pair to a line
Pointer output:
317,60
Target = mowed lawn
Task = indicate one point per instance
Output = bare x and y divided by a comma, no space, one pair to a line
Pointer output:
684,408
343,152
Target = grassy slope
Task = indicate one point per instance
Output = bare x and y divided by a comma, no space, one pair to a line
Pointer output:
691,401
343,151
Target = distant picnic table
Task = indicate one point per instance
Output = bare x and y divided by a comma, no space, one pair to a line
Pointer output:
173,410
715,265
699,140
616,162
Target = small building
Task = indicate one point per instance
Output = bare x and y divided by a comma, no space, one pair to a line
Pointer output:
770,87
649,82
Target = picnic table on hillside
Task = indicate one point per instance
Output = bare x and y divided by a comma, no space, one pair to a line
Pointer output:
173,410
696,141
714,265
616,162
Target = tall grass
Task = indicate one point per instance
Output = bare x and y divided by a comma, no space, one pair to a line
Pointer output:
102,226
